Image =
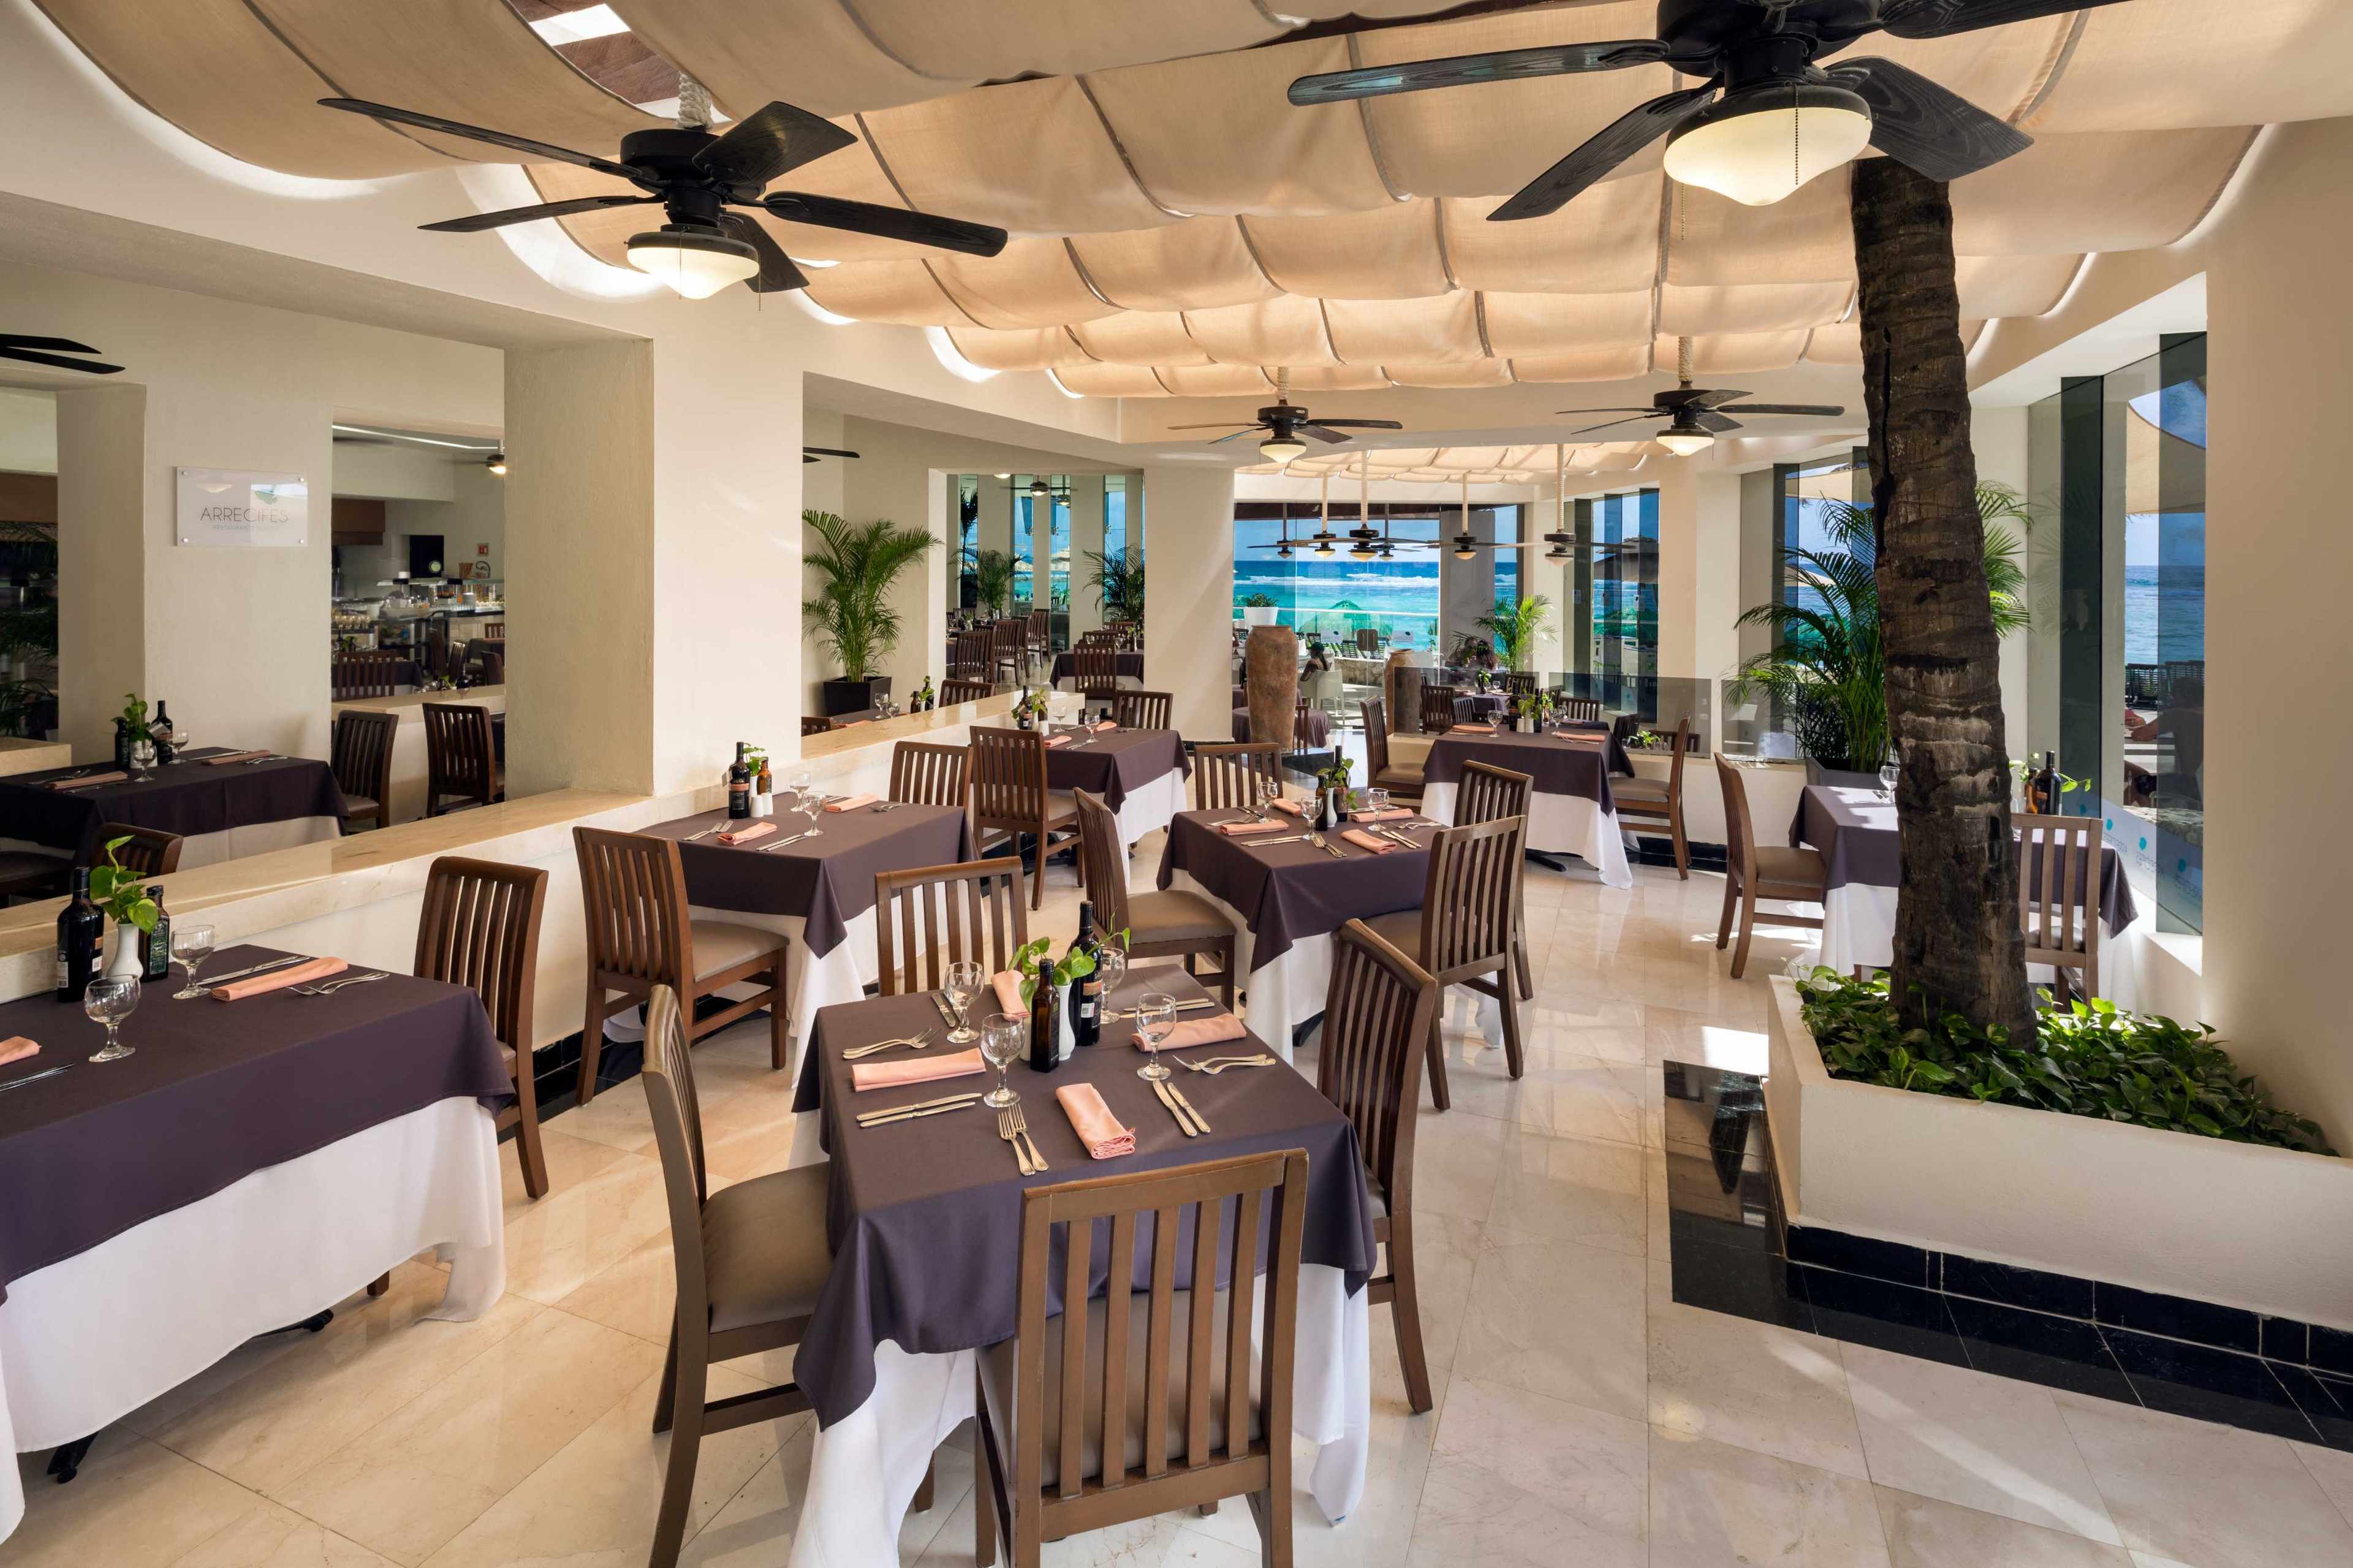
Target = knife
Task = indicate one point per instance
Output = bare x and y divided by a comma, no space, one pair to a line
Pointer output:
32,1077
1198,1119
1168,1098
241,974
919,1105
928,1110
947,1014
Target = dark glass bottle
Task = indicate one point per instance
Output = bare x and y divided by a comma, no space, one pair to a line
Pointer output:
122,744
155,946
2042,793
162,733
1021,711
739,787
81,934
1045,1044
1086,991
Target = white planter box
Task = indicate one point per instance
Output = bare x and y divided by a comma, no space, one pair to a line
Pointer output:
2234,1223
1261,614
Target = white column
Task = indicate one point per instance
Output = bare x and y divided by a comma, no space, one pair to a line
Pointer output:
1086,542
101,574
1186,513
1716,594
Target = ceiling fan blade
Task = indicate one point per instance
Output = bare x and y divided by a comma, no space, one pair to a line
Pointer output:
767,143
1235,437
1714,422
828,451
1360,424
1938,18
1647,415
1605,411
889,223
1456,70
58,345
778,274
480,221
1824,409
547,150
1704,398
1320,433
1924,126
1215,424
1620,140
30,357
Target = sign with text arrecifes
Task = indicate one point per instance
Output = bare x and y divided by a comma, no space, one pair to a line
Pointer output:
241,507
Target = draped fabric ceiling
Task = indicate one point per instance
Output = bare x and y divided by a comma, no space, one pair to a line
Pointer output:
1180,229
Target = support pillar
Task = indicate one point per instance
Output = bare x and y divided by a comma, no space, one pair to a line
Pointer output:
1188,615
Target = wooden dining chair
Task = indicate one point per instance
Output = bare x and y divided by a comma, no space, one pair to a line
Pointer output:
930,916
461,757
1011,800
1173,924
1519,682
1040,633
1462,935
1193,1385
925,773
485,663
633,895
1141,709
363,764
1008,646
1377,1015
353,677
750,1261
1095,671
1581,709
972,662
1227,776
1438,712
1490,794
954,690
2059,897
151,852
1126,636
1100,637
1368,641
1404,783
479,929
1754,871
1660,800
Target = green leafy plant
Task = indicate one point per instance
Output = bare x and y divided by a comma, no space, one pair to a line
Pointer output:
2024,773
1118,580
1259,602
28,633
1336,775
134,716
1827,665
856,564
1515,629
2086,1060
992,578
1075,965
119,892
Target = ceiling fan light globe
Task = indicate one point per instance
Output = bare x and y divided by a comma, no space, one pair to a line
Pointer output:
497,464
696,264
1280,450
1759,144
1684,443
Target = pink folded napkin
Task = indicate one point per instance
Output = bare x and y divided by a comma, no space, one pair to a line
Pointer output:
16,1048
86,780
232,757
292,974
1473,730
748,832
1238,829
1008,985
1367,841
848,723
1389,815
1294,808
853,802
1057,740
1205,1031
1092,1120
914,1069
1106,724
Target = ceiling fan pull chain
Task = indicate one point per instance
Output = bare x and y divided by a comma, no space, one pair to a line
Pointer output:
693,104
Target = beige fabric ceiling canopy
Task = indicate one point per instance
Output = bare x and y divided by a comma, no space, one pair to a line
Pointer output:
1180,228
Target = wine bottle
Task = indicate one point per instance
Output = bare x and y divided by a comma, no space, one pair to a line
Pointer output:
739,787
81,932
122,744
2042,795
1086,991
163,734
1021,711
1045,1046
155,946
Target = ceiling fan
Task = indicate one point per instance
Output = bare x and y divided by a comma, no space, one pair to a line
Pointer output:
1285,422
1782,119
695,177
811,454
50,352
1695,417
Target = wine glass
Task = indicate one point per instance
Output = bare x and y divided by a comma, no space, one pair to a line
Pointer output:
809,804
963,983
109,1000
1267,791
192,943
1376,803
1889,771
1155,1015
1001,1040
1111,967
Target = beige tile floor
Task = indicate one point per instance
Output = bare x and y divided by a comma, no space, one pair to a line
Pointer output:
1583,1418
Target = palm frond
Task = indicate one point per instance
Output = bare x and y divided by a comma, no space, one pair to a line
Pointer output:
850,613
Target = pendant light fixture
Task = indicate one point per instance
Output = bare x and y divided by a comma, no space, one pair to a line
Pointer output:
1464,550
695,262
1759,144
1323,520
1039,490
1559,537
497,463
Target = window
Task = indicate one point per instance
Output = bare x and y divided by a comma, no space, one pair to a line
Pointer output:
1115,514
1810,493
1625,577
1507,562
967,538
1331,596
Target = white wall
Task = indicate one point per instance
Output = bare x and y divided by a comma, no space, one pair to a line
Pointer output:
29,432
391,472
1188,594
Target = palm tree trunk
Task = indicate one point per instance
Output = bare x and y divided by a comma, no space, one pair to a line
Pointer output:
1957,943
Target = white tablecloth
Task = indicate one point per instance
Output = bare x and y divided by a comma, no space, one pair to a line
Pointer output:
1858,927
93,1337
1560,825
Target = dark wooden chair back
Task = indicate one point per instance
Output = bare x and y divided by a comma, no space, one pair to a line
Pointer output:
955,689
1041,630
1490,794
1126,634
972,662
486,663
1106,861
1008,643
362,757
1581,709
1376,1020
1368,641
1739,834
677,1136
492,631
1008,780
1438,709
353,675
1470,903
925,774
1682,744
1375,714
479,929
1299,734
1226,776
460,755
150,852
2059,892
1141,709
930,915
633,894
1520,681
1097,672
1100,637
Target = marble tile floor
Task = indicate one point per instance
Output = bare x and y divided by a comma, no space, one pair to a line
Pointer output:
1584,1417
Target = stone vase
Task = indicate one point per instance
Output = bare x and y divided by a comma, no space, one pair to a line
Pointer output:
1402,686
1271,682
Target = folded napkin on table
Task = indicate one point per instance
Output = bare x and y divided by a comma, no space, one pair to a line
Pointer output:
1205,1031
1092,1120
1057,740
86,780
1473,730
1389,815
232,757
746,834
292,974
1367,841
1106,724
1240,827
16,1048
1008,985
914,1069
1285,804
852,802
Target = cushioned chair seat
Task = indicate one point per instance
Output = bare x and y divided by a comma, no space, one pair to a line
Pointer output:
997,1381
764,1248
1396,777
1401,929
1795,867
722,944
1175,917
359,805
1651,792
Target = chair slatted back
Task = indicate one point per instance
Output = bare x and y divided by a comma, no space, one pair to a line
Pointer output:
924,772
361,675
1226,776
1097,671
972,661
1141,709
678,1134
1041,630
1581,709
954,690
1520,681
815,724
1368,641
493,631
2059,889
1739,833
1376,1032
1472,898
1009,779
1490,794
633,896
1216,1213
1008,642
1126,634
929,916
460,755
1377,736
1299,733
151,852
1100,637
361,754
479,929
1106,861
1438,709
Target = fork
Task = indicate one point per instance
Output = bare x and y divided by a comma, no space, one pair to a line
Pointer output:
1213,1066
1005,1130
912,1042
783,843
329,987
1021,1130
1318,840
704,833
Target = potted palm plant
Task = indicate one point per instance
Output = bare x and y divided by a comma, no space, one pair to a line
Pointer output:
992,580
1119,583
1513,630
1261,610
856,564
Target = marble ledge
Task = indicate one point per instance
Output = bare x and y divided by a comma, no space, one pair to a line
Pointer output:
816,748
21,756
493,698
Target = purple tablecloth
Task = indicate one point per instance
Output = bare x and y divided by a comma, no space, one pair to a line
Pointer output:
1115,761
1130,666
1319,729
188,797
1854,829
1287,892
828,880
924,1217
213,1092
1560,764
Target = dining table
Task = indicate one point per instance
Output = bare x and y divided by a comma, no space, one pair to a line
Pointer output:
923,1222
1286,899
1570,809
223,802
1853,828
1139,773
1318,736
250,1163
1127,666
